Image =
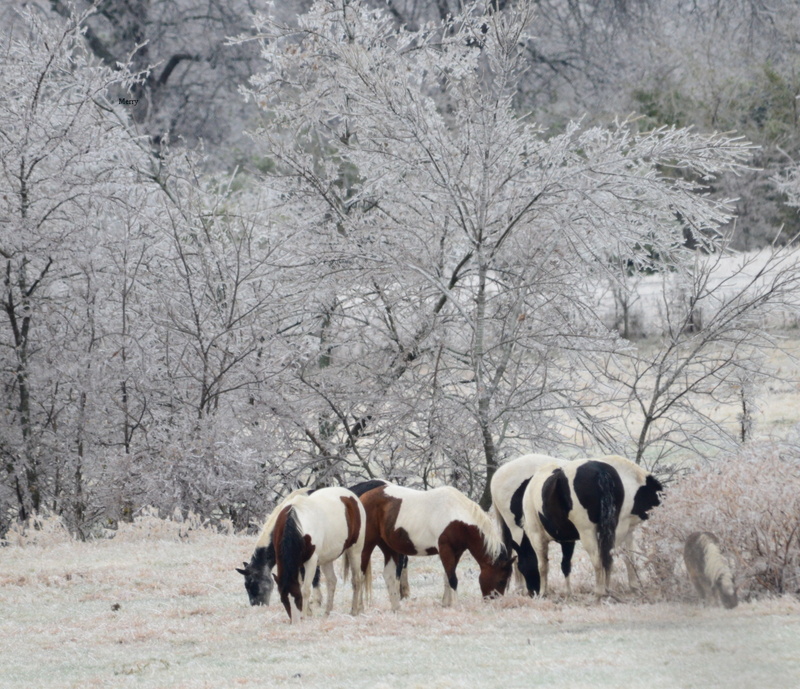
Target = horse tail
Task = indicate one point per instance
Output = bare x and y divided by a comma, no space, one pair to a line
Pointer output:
610,503
368,583
505,532
290,550
348,563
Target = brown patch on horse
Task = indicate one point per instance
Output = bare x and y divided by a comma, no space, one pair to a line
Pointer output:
468,536
353,518
280,526
382,511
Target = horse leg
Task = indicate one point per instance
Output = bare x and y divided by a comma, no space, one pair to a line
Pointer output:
540,542
330,584
627,554
402,565
352,559
391,561
600,574
567,549
316,597
450,557
528,566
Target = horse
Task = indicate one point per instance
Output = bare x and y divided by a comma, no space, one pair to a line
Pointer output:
257,573
442,521
642,491
581,500
402,564
258,581
708,569
641,494
507,487
314,530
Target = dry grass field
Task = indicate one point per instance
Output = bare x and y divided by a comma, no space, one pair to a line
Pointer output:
159,606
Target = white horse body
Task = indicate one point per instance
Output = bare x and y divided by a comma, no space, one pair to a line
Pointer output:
426,514
322,517
508,478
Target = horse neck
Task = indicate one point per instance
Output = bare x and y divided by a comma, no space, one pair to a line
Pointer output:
485,547
263,558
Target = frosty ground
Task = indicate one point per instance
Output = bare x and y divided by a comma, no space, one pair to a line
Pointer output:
161,606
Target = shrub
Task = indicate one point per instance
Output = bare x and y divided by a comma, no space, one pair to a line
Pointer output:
751,503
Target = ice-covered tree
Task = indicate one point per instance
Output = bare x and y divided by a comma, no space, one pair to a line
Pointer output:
67,170
452,239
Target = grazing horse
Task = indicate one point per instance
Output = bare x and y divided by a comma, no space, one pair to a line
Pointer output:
508,486
258,572
315,530
581,500
708,569
402,564
443,521
641,495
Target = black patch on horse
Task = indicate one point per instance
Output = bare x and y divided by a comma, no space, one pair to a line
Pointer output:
263,558
599,489
402,563
556,506
592,481
646,497
516,502
293,551
360,488
528,565
567,549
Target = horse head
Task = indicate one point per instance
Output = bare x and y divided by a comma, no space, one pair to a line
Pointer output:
494,577
257,582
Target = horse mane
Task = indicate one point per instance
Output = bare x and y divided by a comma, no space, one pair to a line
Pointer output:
265,537
493,544
290,548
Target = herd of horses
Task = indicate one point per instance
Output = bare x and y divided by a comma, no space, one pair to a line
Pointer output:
536,499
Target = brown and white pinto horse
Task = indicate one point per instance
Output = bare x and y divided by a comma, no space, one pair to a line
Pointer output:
314,530
257,573
441,521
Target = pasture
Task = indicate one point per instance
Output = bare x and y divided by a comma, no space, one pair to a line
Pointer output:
160,605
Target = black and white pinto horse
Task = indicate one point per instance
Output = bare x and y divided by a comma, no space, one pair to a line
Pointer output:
549,506
315,530
442,521
507,487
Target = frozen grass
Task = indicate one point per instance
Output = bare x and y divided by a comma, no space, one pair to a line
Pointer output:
160,608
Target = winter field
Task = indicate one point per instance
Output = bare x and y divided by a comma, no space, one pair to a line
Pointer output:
160,606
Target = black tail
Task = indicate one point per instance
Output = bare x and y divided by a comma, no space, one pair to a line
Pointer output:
291,550
610,496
